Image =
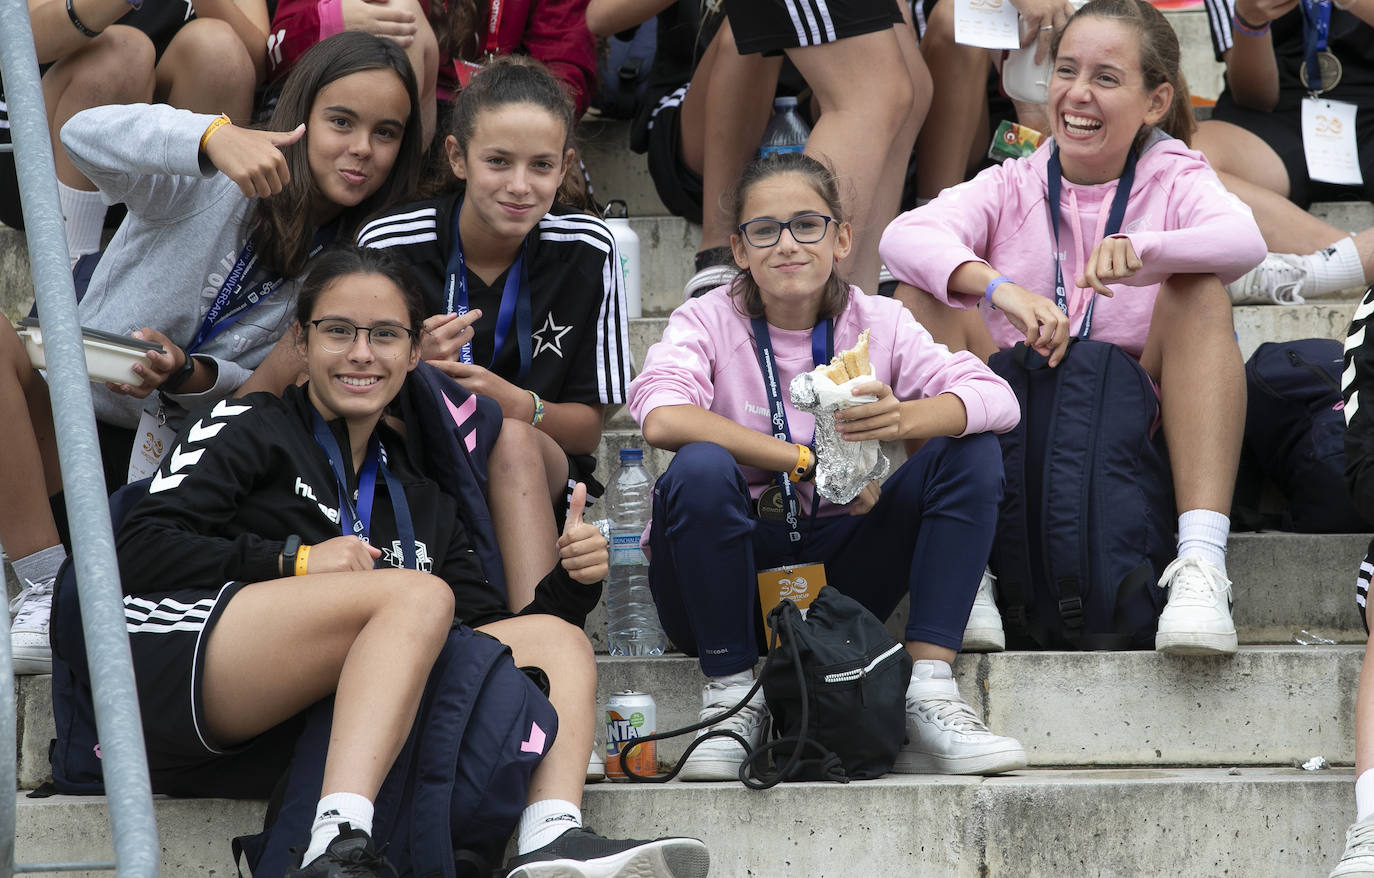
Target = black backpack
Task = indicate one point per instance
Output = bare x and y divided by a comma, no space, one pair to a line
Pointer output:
1087,518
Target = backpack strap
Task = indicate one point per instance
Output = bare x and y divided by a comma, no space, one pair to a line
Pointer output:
1010,557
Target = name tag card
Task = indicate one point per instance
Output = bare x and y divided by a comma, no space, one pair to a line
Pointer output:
151,443
989,24
798,583
1328,141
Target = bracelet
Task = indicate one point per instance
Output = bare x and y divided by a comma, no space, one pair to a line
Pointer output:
1245,27
994,284
216,125
78,23
804,458
538,409
173,382
302,554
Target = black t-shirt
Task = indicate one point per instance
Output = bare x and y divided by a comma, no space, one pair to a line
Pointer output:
1349,38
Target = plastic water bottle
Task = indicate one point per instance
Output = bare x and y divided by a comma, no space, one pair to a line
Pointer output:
632,626
627,243
786,132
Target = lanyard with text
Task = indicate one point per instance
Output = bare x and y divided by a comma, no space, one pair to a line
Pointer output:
515,302
493,29
822,349
356,519
1114,220
1316,27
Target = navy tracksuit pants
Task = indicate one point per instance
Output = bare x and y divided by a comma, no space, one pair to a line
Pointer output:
928,536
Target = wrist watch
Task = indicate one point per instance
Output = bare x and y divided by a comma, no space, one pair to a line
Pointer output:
172,383
288,554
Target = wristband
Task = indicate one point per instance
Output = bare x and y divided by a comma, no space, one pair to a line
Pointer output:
994,284
78,23
538,409
287,562
804,460
216,125
172,383
1245,27
302,562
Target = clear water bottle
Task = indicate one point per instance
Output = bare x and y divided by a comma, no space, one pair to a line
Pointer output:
627,244
632,626
786,132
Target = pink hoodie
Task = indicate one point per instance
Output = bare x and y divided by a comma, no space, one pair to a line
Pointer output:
707,358
1179,218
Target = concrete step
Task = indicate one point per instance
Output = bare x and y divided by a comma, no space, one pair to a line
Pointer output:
1109,823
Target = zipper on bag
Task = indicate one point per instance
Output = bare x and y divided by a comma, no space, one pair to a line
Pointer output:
860,673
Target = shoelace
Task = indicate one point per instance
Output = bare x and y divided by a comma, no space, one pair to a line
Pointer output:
1277,280
749,716
33,600
1359,840
1191,585
956,714
363,863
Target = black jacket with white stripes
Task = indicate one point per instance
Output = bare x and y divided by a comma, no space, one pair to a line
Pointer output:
247,473
1357,389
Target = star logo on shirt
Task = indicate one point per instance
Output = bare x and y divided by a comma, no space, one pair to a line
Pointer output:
549,337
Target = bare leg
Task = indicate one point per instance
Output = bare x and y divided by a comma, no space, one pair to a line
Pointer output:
206,68
1364,710
526,474
564,653
955,329
1191,352
370,638
423,53
948,145
282,367
888,199
29,466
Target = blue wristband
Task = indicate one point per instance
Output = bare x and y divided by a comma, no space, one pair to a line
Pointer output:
994,284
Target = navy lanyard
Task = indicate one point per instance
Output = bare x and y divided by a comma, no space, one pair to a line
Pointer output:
1316,27
1114,220
515,302
822,349
356,519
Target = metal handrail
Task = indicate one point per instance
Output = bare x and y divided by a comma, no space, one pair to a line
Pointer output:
124,761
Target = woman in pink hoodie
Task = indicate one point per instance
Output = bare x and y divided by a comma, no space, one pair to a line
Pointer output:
979,269
737,497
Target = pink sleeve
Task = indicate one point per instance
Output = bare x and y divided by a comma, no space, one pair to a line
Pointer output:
678,369
331,17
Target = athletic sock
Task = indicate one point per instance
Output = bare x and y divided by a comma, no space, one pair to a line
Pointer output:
333,810
41,565
1364,795
84,213
544,821
739,678
931,669
1202,534
1333,269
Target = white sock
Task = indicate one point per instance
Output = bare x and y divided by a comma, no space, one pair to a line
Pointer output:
739,678
1202,534
544,821
931,669
85,215
41,565
1364,795
334,809
1333,269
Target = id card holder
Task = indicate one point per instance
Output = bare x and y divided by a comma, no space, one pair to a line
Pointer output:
151,443
464,71
1328,141
797,583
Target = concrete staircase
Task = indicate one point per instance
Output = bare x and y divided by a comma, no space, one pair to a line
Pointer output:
1140,764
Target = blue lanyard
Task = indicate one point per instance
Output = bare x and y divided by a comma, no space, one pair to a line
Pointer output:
356,519
515,301
1316,27
1114,220
822,349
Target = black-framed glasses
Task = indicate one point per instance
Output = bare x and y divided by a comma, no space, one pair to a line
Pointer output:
388,340
805,229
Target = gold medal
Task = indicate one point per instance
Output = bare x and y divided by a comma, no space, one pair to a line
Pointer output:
771,506
1330,67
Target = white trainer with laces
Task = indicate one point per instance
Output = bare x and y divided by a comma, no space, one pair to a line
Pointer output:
945,736
1278,280
1197,619
708,279
720,758
1357,861
32,608
984,630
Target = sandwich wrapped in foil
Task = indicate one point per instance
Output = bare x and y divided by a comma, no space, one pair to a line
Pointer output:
843,468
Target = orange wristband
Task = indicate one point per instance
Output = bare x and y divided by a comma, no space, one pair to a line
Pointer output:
301,563
803,464
214,126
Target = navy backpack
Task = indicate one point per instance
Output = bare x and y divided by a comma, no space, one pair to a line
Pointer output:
1087,518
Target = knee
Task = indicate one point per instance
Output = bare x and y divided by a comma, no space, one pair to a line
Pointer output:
427,603
1199,299
939,27
700,477
1210,140
975,462
117,68
516,447
191,50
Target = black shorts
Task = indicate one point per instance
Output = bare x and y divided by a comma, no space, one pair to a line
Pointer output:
1282,130
678,186
167,636
580,469
770,26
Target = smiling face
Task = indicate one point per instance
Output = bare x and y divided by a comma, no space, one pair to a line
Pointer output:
791,277
353,136
357,384
1098,98
512,166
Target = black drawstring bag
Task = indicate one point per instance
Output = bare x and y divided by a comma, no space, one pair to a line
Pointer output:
835,683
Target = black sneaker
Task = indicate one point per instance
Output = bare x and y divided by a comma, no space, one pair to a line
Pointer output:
348,856
581,853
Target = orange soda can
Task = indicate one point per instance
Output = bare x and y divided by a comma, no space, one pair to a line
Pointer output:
629,716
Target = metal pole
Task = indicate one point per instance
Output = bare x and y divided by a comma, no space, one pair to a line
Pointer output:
124,760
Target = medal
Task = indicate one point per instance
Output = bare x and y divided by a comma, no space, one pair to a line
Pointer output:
1330,71
771,506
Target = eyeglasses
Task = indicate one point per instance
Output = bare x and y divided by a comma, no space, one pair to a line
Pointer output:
388,340
805,229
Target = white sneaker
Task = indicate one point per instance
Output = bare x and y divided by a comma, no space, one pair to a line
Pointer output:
1358,859
596,765
720,758
945,736
708,279
984,630
1278,280
1197,619
32,608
